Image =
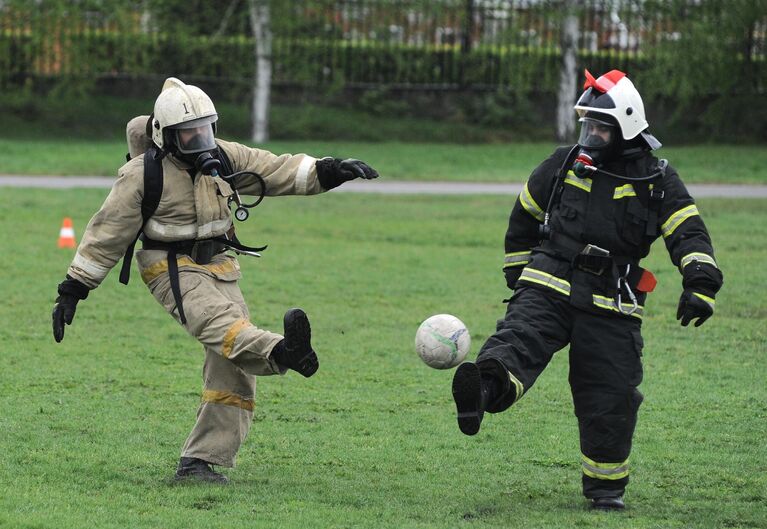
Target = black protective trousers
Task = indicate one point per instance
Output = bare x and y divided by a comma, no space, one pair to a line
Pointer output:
605,370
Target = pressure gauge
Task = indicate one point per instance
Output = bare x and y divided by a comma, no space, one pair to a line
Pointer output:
241,214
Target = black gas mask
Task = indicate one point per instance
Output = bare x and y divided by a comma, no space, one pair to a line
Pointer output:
207,164
599,141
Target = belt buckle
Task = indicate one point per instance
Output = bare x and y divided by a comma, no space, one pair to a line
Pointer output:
592,250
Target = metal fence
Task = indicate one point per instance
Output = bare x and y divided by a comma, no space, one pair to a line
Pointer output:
436,44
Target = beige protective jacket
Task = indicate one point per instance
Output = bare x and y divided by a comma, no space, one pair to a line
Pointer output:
189,209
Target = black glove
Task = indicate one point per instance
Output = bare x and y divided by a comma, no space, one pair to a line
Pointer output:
701,282
70,292
332,172
693,304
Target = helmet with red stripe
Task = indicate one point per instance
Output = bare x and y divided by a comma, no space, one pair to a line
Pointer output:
614,95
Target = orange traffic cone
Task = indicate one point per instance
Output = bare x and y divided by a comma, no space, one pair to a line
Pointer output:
67,234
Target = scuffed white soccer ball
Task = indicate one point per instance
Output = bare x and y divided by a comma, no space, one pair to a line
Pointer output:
442,341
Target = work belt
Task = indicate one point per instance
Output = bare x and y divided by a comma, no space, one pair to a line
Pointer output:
586,257
590,258
202,252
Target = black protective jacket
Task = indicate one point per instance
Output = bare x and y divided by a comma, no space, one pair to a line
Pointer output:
621,216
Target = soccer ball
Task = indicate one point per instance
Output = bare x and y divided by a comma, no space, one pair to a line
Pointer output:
442,341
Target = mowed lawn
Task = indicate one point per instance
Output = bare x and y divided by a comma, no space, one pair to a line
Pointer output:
511,162
91,428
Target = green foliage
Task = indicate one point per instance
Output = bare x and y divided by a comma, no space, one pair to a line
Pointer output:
199,17
510,110
712,66
92,427
701,68
29,116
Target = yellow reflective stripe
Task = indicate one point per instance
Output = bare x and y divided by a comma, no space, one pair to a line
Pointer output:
530,205
678,218
519,387
700,257
227,398
542,278
580,183
624,191
609,303
516,259
607,466
707,299
231,335
608,471
161,267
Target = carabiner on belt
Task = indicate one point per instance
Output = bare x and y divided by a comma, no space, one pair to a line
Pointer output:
622,283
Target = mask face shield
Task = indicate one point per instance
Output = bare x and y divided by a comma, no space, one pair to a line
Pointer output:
195,136
596,134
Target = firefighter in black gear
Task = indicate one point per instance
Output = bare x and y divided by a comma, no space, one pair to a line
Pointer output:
576,235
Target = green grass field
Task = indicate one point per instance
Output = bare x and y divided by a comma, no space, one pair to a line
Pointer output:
396,161
91,428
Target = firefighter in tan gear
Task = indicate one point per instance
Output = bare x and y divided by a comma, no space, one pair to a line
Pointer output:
584,220
185,235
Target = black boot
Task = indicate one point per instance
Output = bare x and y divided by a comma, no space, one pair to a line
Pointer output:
471,393
295,351
608,503
193,469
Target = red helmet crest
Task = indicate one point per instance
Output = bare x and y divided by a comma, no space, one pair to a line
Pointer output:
605,82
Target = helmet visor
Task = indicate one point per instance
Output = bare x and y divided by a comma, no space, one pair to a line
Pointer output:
195,136
596,134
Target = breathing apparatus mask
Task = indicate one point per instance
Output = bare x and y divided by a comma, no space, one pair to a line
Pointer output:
599,141
193,142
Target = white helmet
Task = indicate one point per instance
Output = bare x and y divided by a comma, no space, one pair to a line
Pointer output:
181,106
613,94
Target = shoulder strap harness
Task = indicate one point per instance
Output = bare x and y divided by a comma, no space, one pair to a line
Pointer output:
153,186
655,199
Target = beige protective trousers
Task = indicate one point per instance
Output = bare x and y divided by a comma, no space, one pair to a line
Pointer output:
235,349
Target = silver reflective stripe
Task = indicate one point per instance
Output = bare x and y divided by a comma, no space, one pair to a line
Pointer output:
527,201
516,259
624,191
211,229
580,183
96,271
700,257
677,218
156,230
604,302
302,175
542,278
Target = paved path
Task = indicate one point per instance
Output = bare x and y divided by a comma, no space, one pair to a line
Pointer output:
391,187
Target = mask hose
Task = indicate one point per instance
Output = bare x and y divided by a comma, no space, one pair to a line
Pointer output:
584,166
